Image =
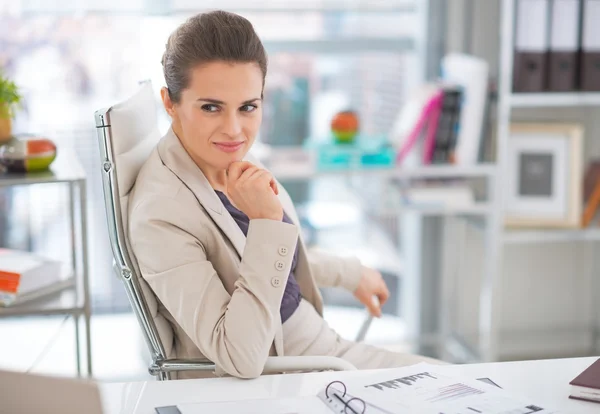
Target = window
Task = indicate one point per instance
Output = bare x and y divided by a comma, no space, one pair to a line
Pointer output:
74,57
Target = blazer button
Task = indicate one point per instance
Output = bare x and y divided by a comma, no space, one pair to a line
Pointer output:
283,251
276,282
279,265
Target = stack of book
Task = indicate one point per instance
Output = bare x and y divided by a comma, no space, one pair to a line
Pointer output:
25,276
443,122
586,386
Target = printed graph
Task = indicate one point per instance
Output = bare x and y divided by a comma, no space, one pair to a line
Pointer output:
452,392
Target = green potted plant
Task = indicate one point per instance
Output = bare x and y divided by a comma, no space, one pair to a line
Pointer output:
10,100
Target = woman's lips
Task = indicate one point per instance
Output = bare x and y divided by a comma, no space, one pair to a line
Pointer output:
229,146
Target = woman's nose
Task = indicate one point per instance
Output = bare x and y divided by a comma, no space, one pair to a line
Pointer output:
232,125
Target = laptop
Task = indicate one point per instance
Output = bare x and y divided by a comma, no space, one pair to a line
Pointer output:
22,393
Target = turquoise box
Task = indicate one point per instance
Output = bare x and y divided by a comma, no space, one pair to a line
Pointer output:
364,153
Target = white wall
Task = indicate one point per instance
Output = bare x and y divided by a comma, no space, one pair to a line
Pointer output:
546,298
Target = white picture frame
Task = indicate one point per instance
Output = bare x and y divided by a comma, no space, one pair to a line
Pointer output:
543,187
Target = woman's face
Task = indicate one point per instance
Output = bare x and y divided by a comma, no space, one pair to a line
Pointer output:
219,114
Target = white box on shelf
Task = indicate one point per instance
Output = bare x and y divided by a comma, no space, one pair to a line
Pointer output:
26,276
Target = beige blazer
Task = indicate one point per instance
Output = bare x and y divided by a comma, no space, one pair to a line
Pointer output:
220,290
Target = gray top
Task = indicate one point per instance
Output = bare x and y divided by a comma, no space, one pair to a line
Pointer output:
291,295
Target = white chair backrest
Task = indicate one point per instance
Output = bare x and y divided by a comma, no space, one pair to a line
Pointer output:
127,133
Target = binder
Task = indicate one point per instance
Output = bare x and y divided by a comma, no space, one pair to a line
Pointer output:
564,44
336,398
590,43
591,193
471,75
531,46
448,126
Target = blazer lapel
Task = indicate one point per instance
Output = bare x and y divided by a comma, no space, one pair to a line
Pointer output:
176,158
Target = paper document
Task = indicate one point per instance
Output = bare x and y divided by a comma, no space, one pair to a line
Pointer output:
423,389
299,405
417,389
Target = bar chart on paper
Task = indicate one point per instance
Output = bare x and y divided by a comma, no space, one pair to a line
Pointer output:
423,388
480,404
454,391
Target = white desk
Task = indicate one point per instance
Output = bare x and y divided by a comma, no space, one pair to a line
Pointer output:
546,381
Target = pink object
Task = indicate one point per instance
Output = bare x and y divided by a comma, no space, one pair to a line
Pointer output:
431,111
432,126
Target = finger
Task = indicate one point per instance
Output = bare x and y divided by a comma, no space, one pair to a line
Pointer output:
269,180
236,169
383,297
383,294
248,174
374,307
260,177
272,182
274,186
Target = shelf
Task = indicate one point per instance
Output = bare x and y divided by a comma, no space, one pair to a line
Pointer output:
62,303
65,168
305,172
554,99
443,171
551,236
477,209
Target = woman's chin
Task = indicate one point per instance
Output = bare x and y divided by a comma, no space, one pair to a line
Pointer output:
234,156
225,160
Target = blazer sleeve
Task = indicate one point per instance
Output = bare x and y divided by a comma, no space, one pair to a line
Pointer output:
335,271
234,331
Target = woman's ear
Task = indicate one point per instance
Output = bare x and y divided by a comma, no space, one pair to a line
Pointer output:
167,103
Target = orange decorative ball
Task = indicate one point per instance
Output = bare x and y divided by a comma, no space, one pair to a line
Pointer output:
344,126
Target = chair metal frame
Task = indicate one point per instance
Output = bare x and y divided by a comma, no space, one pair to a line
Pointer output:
161,366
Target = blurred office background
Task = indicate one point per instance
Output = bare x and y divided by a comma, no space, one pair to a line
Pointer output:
465,286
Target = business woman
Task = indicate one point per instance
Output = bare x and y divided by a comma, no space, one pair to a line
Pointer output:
216,236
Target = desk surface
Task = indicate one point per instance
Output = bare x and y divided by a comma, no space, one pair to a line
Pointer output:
546,381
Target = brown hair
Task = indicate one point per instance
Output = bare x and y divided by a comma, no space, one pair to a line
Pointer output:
209,37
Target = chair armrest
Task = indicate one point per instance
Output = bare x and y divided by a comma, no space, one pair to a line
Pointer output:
276,365
175,365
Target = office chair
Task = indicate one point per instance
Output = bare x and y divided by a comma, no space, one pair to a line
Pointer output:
127,133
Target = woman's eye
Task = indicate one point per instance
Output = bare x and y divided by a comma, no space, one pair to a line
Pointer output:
210,108
248,108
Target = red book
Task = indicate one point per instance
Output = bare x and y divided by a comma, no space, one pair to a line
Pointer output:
587,385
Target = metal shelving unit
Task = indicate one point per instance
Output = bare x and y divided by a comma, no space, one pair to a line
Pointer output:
74,299
550,99
551,236
289,172
498,236
507,101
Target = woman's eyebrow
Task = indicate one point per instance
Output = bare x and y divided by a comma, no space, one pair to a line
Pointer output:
218,102
211,100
